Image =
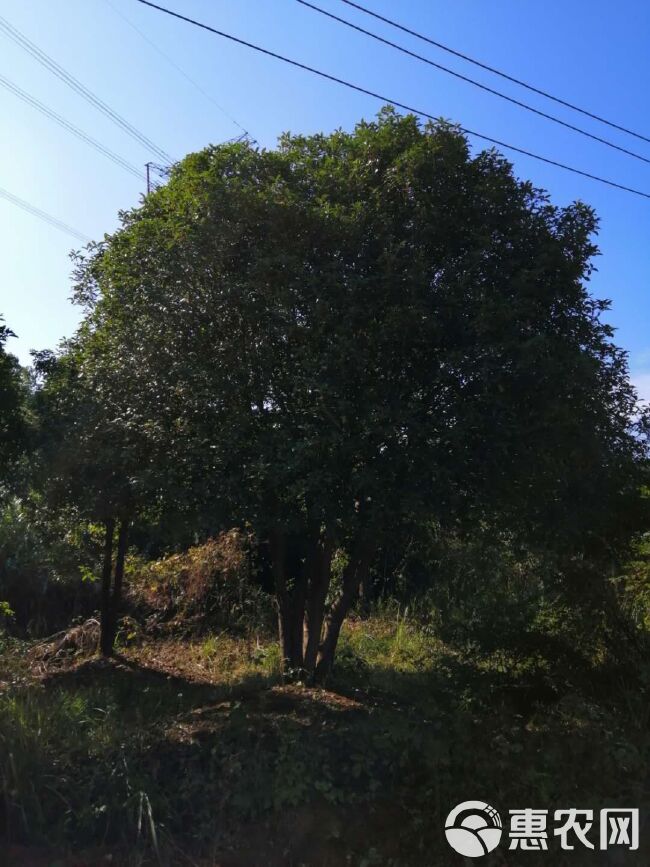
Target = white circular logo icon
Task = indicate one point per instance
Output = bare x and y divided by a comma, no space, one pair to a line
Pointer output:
473,828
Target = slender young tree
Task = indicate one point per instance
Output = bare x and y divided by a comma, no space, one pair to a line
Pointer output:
356,330
87,459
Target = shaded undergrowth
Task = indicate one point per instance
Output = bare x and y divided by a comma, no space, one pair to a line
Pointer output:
197,748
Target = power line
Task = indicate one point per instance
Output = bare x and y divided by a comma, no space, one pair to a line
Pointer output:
44,109
49,63
42,215
498,72
394,102
473,82
178,68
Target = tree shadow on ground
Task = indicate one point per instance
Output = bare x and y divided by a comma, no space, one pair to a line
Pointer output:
254,772
149,692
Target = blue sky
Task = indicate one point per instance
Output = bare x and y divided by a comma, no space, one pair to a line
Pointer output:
591,52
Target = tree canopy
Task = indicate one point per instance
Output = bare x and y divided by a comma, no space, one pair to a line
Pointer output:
349,332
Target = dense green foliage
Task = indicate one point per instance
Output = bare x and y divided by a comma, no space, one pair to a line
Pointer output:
348,334
13,418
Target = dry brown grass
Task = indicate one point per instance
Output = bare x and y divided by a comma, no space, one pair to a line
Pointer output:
65,647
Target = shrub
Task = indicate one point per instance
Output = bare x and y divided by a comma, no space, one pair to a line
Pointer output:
48,565
210,585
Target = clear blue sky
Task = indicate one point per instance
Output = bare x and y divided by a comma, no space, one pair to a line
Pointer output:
591,52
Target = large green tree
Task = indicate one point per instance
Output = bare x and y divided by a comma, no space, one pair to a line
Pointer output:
330,339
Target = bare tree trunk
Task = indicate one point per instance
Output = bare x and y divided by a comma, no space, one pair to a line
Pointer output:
320,570
355,572
105,641
122,543
301,593
116,599
290,594
366,594
277,546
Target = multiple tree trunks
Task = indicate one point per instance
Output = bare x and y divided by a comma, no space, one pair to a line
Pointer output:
111,598
309,629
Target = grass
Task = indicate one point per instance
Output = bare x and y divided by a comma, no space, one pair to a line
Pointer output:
194,752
